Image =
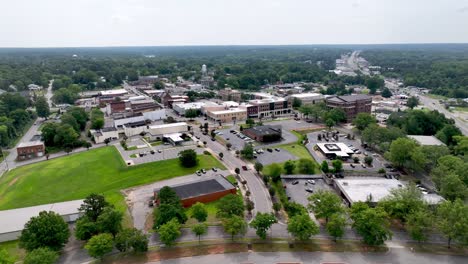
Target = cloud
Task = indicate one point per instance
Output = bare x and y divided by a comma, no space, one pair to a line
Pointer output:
463,9
356,4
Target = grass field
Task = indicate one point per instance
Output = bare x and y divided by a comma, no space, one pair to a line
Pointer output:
72,177
211,208
297,150
12,247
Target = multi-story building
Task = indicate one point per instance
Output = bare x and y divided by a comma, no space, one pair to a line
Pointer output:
168,99
229,94
231,115
351,104
269,108
29,150
307,98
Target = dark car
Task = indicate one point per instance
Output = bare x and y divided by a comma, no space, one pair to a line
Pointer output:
277,149
214,169
213,139
295,182
309,190
269,150
203,171
244,167
152,152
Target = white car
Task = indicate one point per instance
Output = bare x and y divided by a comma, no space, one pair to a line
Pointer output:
311,181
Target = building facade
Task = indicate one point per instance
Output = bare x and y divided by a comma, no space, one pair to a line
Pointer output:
30,150
229,94
307,98
232,115
269,108
351,104
264,133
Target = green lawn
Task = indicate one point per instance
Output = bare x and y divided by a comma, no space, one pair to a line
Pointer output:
12,247
461,109
132,148
297,150
156,143
436,96
232,179
76,176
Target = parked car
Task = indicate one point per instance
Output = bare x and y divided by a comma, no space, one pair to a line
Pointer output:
311,181
363,165
352,165
244,167
309,190
203,171
198,173
269,150
213,139
295,182
277,149
159,151
214,169
152,152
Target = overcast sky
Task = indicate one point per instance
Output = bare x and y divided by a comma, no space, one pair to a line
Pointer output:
59,23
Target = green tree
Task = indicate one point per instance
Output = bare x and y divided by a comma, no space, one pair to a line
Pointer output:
306,166
234,225
99,245
302,227
363,120
452,187
325,167
42,107
250,122
41,256
199,212
337,165
48,229
330,123
199,230
188,158
324,204
169,232
386,93
167,195
368,160
336,225
131,239
230,205
412,102
166,212
401,202
296,103
247,152
110,221
401,150
85,228
289,166
274,171
371,224
93,205
159,85
447,134
374,83
276,207
419,224
258,167
191,113
452,221
262,223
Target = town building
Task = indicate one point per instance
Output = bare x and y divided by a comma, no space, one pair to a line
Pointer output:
181,108
335,150
159,131
269,108
101,135
203,191
307,98
230,115
264,133
12,221
168,100
30,150
351,104
427,140
373,190
229,94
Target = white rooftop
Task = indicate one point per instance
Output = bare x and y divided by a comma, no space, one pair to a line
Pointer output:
168,125
232,110
427,140
307,95
15,219
114,92
337,148
30,144
359,189
194,105
175,137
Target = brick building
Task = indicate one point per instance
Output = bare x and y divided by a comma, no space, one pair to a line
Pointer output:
265,108
264,133
204,191
351,104
229,94
29,150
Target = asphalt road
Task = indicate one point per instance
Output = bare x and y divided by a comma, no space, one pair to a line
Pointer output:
394,255
260,195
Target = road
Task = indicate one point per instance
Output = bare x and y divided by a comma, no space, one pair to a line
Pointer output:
353,63
131,89
258,190
394,255
49,93
434,104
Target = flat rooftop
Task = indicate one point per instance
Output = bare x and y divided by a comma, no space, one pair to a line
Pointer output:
307,95
15,219
337,148
359,189
350,98
168,125
113,92
232,110
427,140
265,130
202,187
30,144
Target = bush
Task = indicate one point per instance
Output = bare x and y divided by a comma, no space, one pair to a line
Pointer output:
206,152
40,256
272,191
381,170
188,158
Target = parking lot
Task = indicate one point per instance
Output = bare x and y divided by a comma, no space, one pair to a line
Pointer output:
297,192
275,156
161,152
377,163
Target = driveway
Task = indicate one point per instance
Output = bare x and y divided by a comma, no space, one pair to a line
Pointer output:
298,193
